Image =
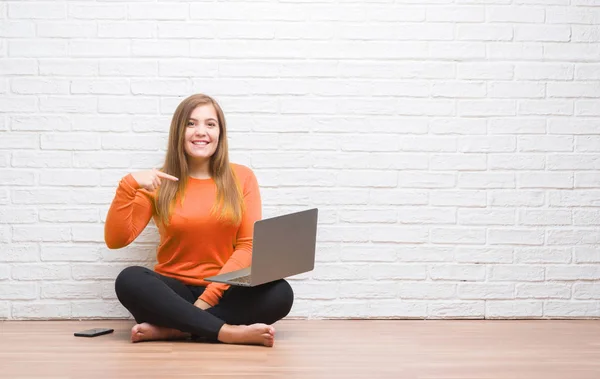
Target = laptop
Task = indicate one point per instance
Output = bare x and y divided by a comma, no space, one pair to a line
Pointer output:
282,246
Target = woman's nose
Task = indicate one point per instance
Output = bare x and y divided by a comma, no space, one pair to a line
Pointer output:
200,129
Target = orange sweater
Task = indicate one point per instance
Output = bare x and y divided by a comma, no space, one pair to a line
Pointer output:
194,245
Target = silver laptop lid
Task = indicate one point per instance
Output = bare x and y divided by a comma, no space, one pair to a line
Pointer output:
284,246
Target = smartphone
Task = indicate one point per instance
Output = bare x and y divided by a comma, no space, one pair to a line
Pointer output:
93,332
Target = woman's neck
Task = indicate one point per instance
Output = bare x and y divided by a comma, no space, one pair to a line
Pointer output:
199,170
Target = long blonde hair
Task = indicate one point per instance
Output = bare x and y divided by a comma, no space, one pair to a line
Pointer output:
229,202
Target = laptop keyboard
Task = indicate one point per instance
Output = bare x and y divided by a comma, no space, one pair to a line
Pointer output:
241,279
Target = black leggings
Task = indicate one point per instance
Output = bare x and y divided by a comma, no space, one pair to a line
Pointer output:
167,302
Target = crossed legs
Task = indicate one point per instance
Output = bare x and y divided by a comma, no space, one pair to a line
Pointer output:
164,308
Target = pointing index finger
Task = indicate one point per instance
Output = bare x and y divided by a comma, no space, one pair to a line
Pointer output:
166,176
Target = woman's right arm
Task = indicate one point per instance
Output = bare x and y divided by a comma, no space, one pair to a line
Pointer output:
128,215
132,207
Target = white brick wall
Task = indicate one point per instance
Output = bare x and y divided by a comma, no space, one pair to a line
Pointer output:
453,147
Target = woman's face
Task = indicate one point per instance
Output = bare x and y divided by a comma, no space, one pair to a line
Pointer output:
202,133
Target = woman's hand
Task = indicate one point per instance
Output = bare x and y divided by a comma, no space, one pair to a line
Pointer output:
202,304
150,179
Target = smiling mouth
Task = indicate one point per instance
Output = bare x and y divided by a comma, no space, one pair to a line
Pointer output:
199,143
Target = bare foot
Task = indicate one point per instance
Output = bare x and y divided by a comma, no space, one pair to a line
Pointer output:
255,334
149,332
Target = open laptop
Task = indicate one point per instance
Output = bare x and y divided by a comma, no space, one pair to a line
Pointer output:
282,246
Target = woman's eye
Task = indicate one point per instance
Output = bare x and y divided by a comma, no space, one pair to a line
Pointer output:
212,125
190,123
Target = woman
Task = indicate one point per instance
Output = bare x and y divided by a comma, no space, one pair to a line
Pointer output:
205,209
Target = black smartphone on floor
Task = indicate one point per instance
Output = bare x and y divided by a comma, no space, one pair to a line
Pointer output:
93,332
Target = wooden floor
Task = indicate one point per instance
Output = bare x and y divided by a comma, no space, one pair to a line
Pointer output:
463,349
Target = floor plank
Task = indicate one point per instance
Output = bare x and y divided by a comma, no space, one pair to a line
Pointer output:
422,349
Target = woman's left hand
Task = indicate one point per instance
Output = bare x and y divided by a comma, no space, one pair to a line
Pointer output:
202,304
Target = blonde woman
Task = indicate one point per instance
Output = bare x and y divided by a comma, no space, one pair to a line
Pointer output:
205,208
